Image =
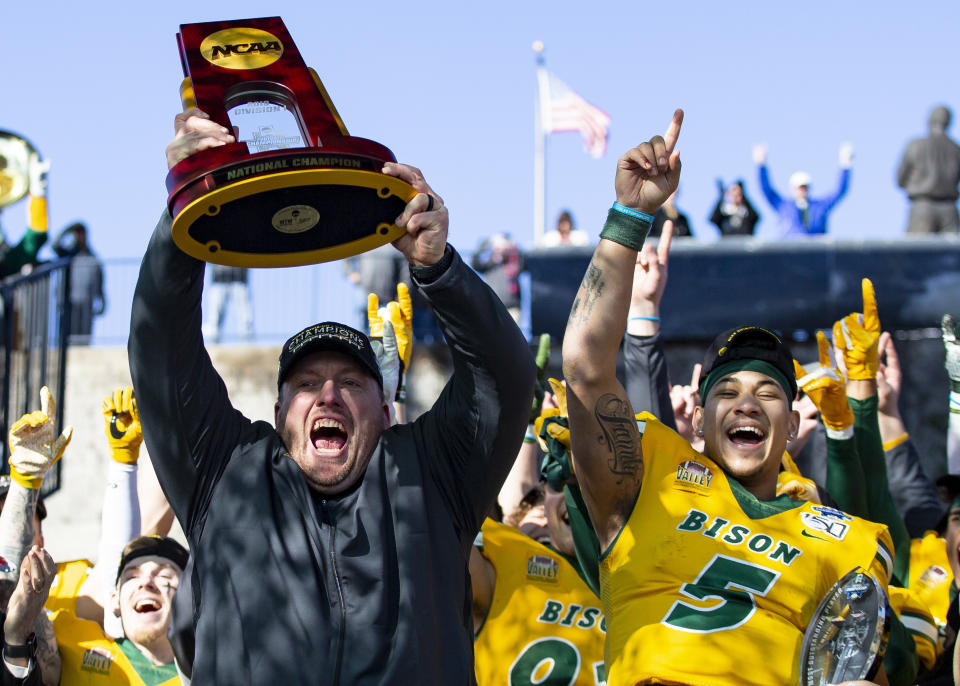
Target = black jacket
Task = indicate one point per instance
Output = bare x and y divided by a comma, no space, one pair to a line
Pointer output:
370,587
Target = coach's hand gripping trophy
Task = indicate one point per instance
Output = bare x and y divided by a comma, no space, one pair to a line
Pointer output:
295,188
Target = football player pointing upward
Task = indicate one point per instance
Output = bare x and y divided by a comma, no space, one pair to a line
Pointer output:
691,543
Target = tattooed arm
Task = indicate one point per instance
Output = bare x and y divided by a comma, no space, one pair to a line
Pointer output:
34,448
16,535
605,442
25,615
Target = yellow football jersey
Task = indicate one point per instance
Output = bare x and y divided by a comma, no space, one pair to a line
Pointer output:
91,658
544,625
919,622
690,561
930,575
66,585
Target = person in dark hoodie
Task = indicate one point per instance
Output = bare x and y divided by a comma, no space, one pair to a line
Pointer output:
328,545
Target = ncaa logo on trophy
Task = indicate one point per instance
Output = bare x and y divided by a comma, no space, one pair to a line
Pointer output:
295,188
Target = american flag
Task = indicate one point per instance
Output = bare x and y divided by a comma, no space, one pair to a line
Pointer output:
563,110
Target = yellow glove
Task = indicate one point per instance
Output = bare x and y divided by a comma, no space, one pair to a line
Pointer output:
826,388
122,425
797,487
384,343
401,316
373,316
34,445
857,336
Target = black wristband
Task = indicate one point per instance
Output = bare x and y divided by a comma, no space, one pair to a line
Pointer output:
27,650
431,272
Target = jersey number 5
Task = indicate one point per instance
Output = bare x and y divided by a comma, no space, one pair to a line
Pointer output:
735,583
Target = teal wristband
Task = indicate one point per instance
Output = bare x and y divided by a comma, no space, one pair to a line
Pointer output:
645,319
632,212
625,228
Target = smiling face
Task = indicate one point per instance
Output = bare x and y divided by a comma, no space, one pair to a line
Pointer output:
144,596
330,415
746,419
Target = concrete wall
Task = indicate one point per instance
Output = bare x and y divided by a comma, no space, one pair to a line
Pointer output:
72,527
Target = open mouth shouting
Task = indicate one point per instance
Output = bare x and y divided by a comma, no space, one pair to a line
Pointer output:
746,436
328,436
147,606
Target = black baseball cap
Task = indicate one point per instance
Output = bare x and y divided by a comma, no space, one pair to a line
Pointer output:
146,546
745,345
328,336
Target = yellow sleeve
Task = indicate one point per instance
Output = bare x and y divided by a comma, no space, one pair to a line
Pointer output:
919,622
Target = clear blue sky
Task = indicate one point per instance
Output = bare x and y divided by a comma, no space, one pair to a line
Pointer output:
450,87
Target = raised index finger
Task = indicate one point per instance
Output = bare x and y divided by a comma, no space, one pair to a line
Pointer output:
823,349
663,247
673,131
871,321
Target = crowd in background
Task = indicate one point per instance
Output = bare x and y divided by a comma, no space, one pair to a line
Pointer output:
638,531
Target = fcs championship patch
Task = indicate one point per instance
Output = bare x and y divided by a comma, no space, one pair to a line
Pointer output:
542,568
692,473
826,523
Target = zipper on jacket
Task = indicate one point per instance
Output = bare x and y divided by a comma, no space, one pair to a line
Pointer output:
336,577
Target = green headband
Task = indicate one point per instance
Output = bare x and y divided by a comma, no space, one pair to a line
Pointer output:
745,365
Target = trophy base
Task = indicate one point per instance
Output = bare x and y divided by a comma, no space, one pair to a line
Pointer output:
278,211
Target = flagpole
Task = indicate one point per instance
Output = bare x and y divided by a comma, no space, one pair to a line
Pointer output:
539,148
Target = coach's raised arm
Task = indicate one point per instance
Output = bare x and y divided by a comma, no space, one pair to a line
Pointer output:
329,546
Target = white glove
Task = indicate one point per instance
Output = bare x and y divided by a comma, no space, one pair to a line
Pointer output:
389,358
37,170
760,154
846,155
34,446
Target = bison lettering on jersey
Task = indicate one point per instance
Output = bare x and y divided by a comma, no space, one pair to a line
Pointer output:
738,535
555,612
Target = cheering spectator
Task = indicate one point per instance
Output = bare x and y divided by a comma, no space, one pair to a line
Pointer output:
565,234
734,214
34,448
669,211
929,172
675,524
802,215
330,543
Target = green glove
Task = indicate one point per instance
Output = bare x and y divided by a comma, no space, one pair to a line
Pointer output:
540,388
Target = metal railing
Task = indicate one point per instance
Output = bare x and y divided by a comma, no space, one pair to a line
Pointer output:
284,301
34,325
